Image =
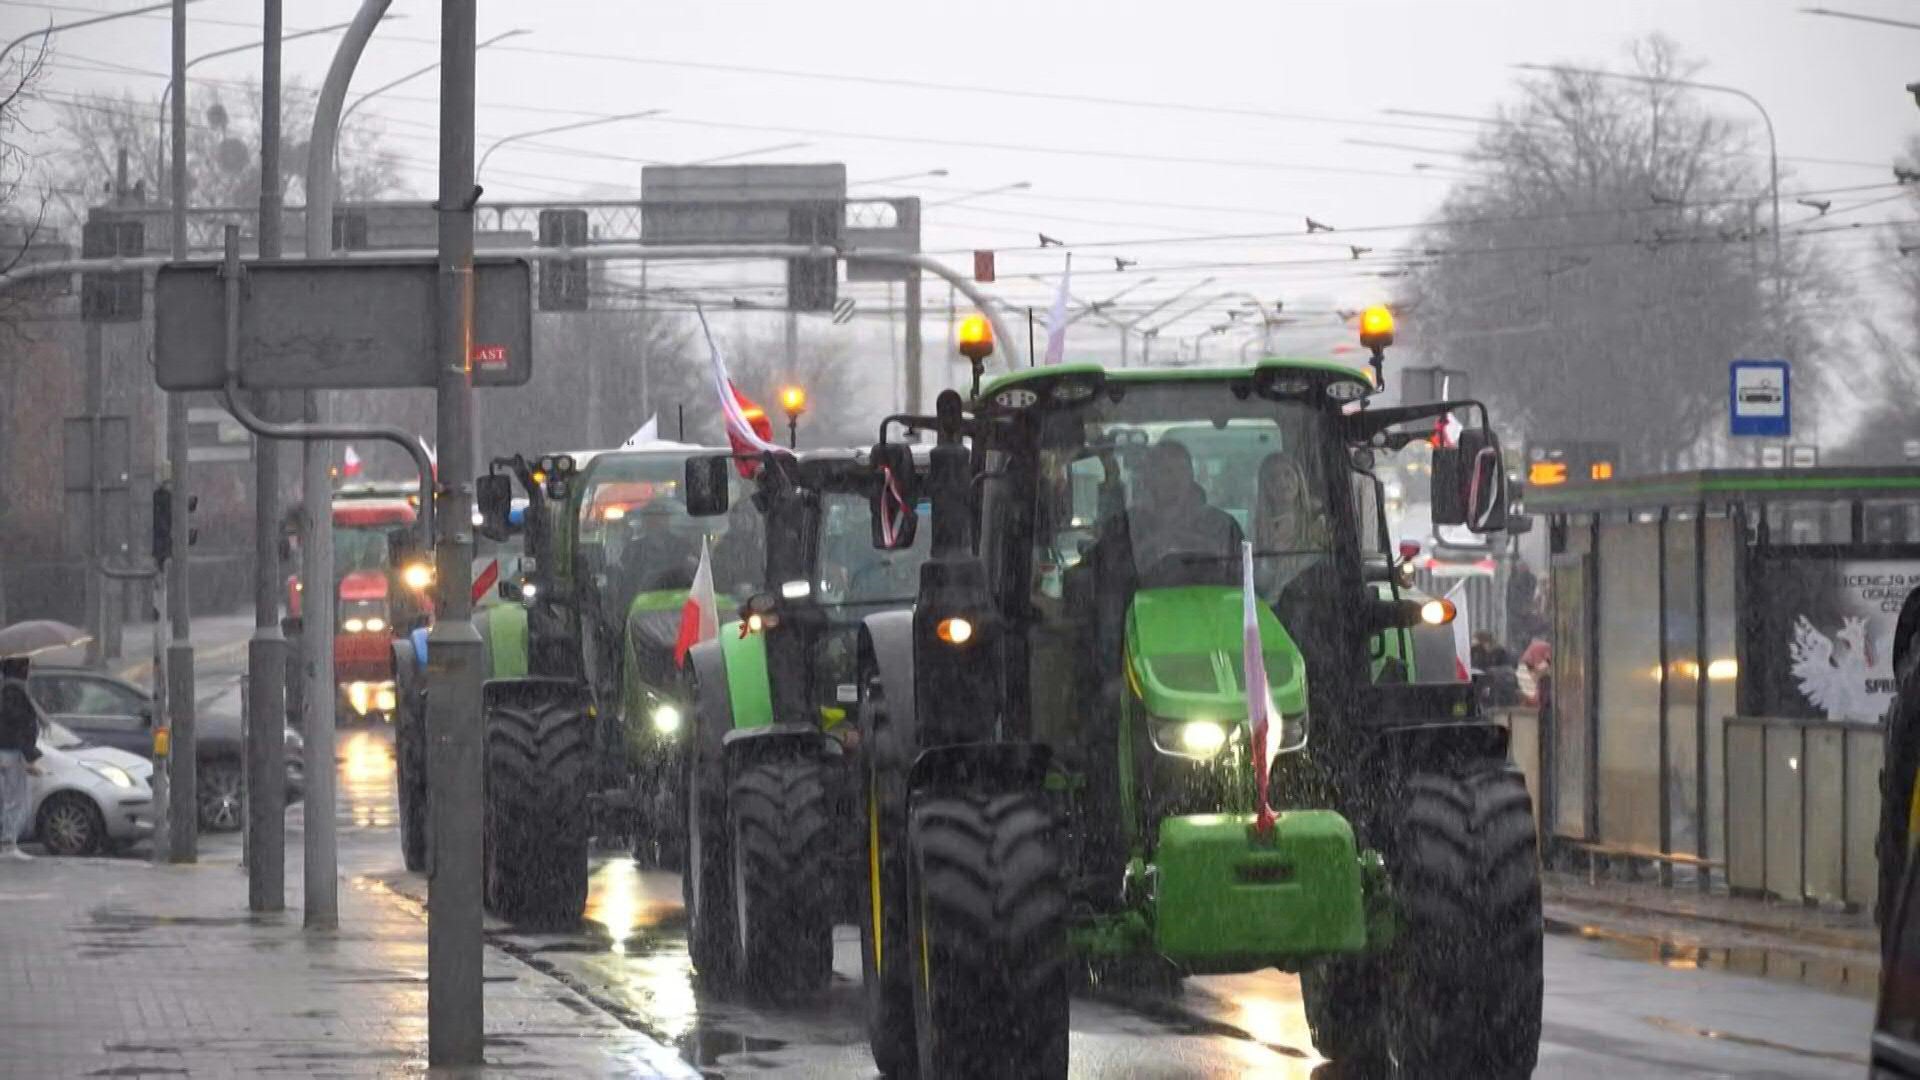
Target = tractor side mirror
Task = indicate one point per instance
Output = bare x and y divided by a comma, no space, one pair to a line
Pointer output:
706,491
890,507
1485,496
402,546
493,499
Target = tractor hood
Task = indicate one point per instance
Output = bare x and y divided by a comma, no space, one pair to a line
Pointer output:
364,585
1184,649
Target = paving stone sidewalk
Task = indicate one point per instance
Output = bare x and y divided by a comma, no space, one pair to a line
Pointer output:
116,967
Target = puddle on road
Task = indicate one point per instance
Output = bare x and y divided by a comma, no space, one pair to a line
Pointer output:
1678,1028
1850,979
366,791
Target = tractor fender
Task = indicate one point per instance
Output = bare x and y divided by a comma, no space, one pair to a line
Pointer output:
712,713
1443,740
976,767
747,746
1905,630
886,654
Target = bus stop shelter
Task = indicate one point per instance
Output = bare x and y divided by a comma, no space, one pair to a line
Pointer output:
1722,657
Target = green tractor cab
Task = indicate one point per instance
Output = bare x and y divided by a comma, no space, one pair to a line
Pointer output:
584,700
1060,772
774,823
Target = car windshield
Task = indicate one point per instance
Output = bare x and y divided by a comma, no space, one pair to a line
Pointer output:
1171,478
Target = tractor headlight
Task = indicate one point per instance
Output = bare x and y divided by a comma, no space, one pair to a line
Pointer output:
359,695
384,698
1201,740
666,718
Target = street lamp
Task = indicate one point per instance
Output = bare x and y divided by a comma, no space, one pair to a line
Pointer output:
899,178
983,193
575,126
793,401
49,31
410,76
1773,146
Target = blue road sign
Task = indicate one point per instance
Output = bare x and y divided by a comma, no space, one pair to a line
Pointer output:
1760,398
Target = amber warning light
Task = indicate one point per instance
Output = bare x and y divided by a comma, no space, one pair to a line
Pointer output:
1376,327
976,337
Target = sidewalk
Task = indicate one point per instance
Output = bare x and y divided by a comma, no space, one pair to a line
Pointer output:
115,967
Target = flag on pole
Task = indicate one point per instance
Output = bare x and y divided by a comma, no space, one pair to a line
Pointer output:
700,615
747,435
1259,700
1057,319
351,466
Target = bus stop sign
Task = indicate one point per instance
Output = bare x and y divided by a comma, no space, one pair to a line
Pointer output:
1760,398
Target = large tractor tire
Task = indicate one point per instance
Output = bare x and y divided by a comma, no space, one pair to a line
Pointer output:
539,767
410,777
1344,1013
1899,763
707,887
886,964
782,878
989,936
1466,967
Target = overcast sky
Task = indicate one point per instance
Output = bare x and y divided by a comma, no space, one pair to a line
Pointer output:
1277,90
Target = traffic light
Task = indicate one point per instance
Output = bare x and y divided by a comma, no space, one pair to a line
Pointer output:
163,523
564,283
116,295
813,284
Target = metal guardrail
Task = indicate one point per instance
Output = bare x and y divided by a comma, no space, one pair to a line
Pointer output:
1802,808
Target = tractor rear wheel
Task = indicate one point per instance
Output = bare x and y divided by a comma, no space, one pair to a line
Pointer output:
1900,761
539,763
707,885
886,969
782,879
1466,967
989,935
1344,1014
410,776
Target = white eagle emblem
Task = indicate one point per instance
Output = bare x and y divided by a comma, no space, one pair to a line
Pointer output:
1832,672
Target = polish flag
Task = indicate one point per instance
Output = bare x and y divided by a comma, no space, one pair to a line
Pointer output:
351,467
749,431
700,615
1259,700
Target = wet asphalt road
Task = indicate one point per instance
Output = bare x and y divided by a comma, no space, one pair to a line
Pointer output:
1616,1004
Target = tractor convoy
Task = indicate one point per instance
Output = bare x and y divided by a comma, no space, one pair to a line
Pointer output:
984,690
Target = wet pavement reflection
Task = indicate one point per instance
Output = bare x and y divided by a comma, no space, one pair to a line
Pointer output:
628,959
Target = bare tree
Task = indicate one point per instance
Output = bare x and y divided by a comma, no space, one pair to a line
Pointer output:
1608,259
20,226
223,150
1888,376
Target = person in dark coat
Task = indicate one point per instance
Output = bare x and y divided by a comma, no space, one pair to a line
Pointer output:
19,754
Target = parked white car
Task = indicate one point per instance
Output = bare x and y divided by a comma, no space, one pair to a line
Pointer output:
88,799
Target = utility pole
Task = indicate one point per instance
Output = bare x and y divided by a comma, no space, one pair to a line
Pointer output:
267,649
793,341
183,823
455,773
914,374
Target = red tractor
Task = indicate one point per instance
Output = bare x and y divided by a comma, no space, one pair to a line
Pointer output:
363,516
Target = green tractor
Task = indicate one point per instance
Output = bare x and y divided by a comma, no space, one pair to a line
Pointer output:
584,703
774,841
1060,775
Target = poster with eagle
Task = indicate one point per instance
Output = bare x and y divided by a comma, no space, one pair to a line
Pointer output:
1831,624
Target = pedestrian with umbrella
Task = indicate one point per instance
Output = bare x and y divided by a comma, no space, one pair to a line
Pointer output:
20,723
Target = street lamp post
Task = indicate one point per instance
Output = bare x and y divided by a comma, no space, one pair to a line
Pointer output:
556,129
903,177
49,31
1019,185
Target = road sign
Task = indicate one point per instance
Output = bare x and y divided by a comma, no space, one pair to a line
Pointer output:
1760,398
983,267
337,325
1773,457
1803,457
843,309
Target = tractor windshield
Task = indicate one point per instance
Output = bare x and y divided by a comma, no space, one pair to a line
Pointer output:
852,573
631,509
1170,479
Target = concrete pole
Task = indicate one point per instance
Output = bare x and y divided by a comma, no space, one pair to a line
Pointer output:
267,649
793,344
893,350
183,823
317,596
455,771
94,584
645,348
914,373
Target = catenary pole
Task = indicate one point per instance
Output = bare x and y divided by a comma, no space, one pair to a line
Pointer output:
183,821
455,1002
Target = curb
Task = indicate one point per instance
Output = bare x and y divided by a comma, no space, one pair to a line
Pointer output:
1832,939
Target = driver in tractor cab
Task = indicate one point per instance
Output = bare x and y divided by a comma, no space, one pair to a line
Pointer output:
656,556
1170,514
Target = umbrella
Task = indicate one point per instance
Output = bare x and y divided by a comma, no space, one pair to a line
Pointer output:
38,636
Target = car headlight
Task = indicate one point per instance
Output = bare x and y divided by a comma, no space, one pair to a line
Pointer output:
112,774
666,718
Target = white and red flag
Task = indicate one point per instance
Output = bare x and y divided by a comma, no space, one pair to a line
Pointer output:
1259,699
351,465
700,615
